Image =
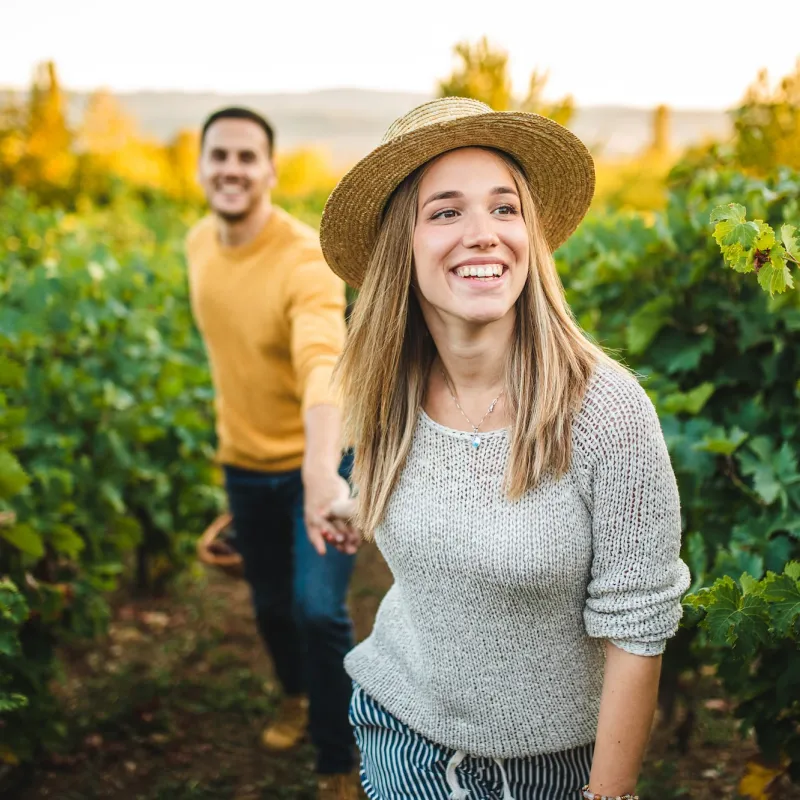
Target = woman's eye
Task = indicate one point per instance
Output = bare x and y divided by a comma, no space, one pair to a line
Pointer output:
506,210
445,213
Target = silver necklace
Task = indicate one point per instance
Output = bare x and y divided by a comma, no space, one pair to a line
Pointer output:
476,439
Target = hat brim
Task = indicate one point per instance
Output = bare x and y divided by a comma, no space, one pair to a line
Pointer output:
559,168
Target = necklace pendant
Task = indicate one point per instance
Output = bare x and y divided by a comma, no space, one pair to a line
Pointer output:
476,441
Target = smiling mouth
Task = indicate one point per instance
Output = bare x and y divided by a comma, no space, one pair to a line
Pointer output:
485,273
231,190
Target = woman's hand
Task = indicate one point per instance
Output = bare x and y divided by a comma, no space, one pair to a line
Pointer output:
341,533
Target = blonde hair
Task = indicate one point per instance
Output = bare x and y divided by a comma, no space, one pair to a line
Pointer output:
388,355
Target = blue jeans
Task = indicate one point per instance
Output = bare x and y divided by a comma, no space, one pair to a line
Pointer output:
300,602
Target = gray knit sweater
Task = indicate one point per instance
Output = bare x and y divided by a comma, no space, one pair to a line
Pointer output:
491,638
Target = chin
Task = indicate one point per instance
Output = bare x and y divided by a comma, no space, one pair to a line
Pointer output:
232,216
485,315
232,213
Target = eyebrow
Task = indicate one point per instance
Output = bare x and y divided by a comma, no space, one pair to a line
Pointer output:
226,150
452,194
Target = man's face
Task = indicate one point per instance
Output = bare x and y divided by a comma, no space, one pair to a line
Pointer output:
236,170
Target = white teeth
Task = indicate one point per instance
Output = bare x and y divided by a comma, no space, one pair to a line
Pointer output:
488,271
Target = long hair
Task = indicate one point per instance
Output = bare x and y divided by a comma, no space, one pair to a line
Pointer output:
383,370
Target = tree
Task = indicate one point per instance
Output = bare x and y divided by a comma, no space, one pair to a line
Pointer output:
483,74
103,141
12,139
561,111
48,159
106,128
767,124
305,170
183,153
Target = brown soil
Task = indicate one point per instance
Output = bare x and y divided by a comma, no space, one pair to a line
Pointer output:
170,705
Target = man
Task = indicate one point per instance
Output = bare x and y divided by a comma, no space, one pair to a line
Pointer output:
271,314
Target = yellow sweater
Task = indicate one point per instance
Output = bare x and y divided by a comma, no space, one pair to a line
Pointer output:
271,314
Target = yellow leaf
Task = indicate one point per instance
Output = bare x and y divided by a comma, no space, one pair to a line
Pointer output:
7,756
758,779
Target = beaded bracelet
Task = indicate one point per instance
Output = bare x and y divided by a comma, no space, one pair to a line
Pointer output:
587,795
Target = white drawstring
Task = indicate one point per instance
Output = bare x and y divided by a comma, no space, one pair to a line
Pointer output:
506,787
456,791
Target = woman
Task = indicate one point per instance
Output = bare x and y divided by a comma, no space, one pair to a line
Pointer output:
514,477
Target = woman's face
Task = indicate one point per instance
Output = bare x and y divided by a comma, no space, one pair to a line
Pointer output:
471,246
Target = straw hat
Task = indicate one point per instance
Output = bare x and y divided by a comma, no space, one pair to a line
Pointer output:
559,168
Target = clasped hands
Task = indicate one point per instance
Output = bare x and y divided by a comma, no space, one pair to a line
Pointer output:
329,512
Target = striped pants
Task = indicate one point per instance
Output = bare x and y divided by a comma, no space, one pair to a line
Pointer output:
399,764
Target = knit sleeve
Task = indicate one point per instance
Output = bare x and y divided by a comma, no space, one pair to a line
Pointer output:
637,577
316,307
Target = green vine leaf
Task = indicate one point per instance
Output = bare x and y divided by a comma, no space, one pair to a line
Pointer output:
751,246
791,241
25,539
735,618
783,594
732,227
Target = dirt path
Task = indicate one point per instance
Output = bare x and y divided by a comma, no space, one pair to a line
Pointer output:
170,706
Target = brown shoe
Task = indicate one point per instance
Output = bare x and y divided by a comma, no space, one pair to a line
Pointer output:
337,787
288,728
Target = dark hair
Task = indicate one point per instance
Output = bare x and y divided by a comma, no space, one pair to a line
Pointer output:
238,112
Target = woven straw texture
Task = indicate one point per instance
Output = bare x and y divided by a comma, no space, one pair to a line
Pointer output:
560,171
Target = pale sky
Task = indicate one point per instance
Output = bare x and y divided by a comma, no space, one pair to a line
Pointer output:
685,53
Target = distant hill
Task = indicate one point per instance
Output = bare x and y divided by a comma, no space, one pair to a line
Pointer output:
349,122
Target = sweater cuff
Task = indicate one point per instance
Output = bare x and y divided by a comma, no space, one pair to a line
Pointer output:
640,648
319,388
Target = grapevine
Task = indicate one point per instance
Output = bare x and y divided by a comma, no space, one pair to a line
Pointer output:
751,246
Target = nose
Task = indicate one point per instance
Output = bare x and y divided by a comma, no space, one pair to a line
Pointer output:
479,233
230,169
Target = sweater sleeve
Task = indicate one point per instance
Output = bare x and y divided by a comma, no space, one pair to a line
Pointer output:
637,576
316,306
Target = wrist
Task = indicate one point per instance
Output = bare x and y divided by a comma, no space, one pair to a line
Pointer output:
318,472
318,467
588,794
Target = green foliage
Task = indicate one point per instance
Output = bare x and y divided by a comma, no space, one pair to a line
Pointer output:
753,629
108,418
767,124
561,111
751,246
483,74
14,609
13,614
720,358
105,401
